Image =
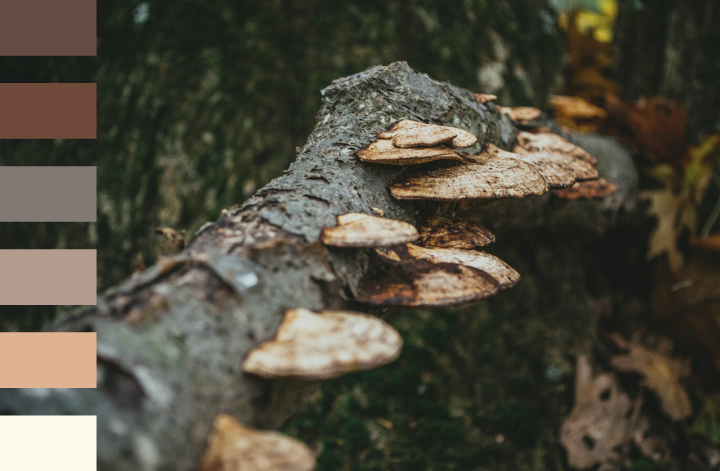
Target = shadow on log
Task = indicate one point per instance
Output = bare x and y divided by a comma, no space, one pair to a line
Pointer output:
171,340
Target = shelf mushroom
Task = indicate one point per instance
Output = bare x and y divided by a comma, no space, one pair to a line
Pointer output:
407,133
521,113
553,143
362,230
235,447
484,98
456,233
309,345
592,189
383,151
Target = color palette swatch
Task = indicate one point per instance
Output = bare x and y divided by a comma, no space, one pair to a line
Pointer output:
48,194
48,277
42,442
48,360
48,28
48,110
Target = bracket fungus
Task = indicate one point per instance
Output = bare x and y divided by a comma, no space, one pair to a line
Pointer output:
488,176
234,447
309,345
456,233
362,230
407,133
383,151
551,143
591,189
483,98
521,113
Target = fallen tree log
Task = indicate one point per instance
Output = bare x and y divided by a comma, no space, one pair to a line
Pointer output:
171,339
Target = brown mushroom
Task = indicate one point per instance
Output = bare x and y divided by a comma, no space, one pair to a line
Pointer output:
483,98
407,133
362,230
521,113
552,143
234,447
488,176
383,151
599,188
423,283
456,233
325,345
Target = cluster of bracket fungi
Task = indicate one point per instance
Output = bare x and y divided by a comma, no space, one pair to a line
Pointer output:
437,265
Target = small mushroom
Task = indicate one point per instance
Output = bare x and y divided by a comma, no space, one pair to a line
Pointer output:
488,176
234,447
592,189
483,98
456,233
325,345
503,273
383,151
552,143
521,113
362,230
407,133
416,283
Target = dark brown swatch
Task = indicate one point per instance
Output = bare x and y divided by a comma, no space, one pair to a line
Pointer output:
48,110
48,194
48,28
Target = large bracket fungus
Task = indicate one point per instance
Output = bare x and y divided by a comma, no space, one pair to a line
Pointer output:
438,231
361,230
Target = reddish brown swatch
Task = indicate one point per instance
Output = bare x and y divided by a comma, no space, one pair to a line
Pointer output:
48,110
48,277
48,360
48,28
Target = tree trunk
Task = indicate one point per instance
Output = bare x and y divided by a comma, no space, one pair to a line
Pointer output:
170,340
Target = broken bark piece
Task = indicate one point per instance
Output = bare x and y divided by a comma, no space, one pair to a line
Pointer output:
483,98
503,273
551,143
591,189
234,447
407,133
423,283
383,151
487,177
456,233
599,422
662,376
325,345
521,113
362,230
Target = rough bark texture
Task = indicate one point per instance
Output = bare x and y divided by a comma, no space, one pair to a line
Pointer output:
170,340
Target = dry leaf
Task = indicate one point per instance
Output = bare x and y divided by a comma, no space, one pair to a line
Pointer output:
674,213
326,345
453,233
361,230
662,375
599,188
599,421
234,447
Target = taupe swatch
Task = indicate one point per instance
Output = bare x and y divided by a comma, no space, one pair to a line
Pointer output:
48,277
48,194
48,28
48,360
48,110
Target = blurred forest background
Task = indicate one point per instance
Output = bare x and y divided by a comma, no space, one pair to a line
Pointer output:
202,103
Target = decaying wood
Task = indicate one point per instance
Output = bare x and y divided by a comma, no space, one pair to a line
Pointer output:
438,231
172,339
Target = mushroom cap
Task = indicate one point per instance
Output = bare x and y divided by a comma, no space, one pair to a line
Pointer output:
552,143
503,273
362,230
383,151
234,447
407,133
456,233
483,98
599,188
489,176
424,283
325,345
521,113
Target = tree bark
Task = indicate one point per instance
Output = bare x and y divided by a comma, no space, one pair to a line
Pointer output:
170,340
